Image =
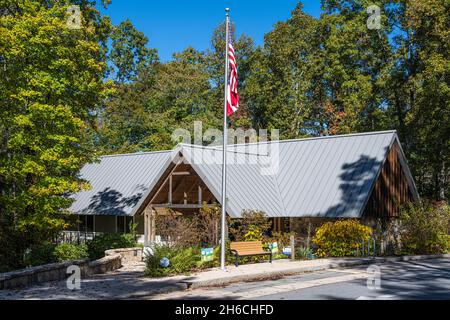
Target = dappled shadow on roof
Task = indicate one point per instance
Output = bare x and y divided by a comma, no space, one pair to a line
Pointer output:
112,202
356,179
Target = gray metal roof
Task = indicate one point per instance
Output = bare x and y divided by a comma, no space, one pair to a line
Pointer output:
333,176
329,176
247,188
118,182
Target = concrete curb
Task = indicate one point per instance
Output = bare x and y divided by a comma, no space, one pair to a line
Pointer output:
298,270
183,285
413,258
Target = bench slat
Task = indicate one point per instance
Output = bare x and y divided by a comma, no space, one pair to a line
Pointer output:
248,248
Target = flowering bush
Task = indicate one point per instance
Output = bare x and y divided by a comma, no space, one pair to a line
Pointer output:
341,238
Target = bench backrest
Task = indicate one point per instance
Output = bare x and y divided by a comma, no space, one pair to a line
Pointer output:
247,247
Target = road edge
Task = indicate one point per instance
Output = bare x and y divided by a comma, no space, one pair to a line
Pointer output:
273,275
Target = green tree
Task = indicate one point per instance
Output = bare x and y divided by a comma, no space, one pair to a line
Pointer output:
320,76
422,93
142,114
281,77
129,52
215,60
51,77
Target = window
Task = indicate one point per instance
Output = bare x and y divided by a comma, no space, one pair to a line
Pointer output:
123,223
287,224
120,224
86,223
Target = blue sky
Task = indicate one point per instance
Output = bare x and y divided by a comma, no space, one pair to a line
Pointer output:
172,25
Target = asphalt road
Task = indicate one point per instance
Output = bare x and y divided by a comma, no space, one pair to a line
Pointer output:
424,279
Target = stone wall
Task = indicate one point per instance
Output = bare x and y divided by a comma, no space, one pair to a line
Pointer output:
113,260
127,254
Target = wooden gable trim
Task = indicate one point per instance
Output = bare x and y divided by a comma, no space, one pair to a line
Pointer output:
391,188
157,186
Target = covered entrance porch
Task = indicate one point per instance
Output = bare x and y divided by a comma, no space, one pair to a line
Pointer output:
180,190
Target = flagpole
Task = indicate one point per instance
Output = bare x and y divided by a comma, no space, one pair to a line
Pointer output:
224,156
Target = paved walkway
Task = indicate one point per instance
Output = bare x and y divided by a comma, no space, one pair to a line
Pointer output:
126,282
129,281
426,279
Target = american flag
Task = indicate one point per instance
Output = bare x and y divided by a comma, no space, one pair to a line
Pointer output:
232,88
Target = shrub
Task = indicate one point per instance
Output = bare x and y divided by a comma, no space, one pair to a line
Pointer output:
302,253
254,225
67,251
97,247
177,230
425,228
182,260
40,254
277,256
340,238
208,225
253,233
282,238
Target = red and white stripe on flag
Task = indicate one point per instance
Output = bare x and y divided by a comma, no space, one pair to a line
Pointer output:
232,88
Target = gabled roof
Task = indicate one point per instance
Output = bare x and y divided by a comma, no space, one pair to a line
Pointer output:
330,176
247,188
118,182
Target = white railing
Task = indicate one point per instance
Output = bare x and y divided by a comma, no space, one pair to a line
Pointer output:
77,236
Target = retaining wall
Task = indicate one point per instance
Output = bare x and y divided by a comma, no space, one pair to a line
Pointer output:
112,260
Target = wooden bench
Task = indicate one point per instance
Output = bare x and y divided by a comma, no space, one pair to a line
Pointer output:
248,248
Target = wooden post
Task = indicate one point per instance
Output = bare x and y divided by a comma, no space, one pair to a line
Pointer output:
170,189
147,225
153,225
292,239
199,194
216,232
308,240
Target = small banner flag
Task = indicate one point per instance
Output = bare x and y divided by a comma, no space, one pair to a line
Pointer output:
207,254
274,247
287,251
